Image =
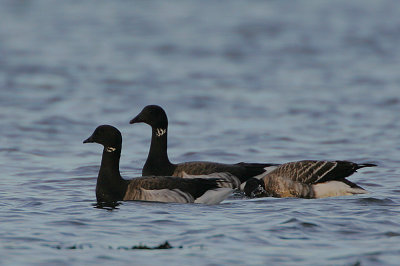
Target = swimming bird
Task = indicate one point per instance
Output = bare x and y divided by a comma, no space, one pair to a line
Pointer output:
158,163
307,179
111,187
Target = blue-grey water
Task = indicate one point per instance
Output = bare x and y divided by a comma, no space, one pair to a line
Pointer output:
254,81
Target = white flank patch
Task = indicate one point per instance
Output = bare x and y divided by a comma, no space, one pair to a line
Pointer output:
269,169
227,180
166,195
160,132
335,188
110,149
214,196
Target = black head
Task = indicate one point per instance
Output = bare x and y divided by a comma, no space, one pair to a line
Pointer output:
107,135
153,115
254,188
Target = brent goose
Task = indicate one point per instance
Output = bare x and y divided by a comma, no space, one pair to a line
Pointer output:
157,162
111,187
307,179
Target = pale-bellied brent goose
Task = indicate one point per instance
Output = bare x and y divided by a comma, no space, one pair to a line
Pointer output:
307,179
111,187
157,162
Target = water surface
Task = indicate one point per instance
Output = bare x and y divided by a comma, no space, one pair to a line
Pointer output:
258,81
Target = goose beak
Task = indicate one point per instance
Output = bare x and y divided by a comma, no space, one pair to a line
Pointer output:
89,140
137,119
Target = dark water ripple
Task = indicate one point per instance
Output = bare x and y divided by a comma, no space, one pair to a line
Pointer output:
241,81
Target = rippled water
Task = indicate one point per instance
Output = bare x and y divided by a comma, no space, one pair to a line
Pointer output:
255,81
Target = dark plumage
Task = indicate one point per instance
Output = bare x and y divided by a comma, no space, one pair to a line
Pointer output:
111,187
158,163
307,179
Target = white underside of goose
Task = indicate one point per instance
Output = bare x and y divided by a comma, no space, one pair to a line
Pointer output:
335,188
214,196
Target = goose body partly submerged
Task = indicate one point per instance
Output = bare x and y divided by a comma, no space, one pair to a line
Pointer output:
307,179
158,163
111,187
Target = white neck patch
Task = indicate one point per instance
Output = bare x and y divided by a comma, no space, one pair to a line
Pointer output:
110,149
160,132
